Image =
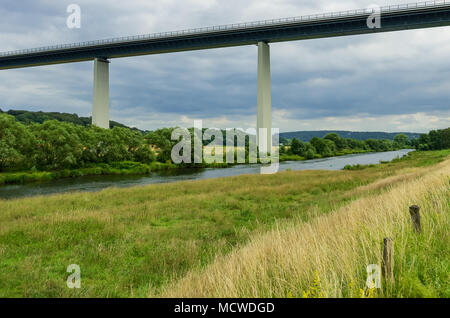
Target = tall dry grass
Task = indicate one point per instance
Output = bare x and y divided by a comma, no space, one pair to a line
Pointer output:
329,254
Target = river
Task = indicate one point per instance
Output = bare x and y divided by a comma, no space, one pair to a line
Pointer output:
96,183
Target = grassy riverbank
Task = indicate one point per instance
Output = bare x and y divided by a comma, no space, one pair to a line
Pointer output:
155,240
118,168
123,168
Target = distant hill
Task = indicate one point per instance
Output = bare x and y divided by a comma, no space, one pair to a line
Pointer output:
28,117
360,135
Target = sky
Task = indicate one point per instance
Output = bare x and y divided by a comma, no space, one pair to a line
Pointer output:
395,81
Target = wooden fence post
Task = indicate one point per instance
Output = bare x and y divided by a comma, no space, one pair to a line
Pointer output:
388,259
414,210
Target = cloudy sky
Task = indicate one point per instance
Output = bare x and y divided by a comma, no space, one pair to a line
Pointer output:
385,82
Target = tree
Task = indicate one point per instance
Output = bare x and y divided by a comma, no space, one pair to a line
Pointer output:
322,147
58,145
386,145
338,140
356,144
373,144
310,151
161,139
17,144
298,147
9,157
331,146
445,138
401,140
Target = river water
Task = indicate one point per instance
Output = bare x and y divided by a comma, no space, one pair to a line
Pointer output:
96,183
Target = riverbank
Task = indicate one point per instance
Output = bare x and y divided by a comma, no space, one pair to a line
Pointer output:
126,168
120,168
140,241
345,152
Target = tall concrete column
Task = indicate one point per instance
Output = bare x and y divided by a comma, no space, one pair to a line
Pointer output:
264,117
100,105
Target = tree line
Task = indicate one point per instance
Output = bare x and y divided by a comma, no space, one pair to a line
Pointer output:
434,140
29,117
333,145
56,145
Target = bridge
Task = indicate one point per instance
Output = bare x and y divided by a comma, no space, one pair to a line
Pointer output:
261,33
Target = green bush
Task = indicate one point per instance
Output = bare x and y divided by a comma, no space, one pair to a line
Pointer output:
54,145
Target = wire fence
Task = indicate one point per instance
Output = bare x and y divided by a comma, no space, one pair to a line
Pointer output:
230,27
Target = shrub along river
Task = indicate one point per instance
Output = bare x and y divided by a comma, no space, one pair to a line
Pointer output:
96,183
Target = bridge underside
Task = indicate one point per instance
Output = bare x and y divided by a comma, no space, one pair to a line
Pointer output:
302,30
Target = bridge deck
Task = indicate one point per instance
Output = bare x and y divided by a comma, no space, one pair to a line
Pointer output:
393,18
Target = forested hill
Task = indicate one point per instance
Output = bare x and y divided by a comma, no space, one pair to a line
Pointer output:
28,117
360,135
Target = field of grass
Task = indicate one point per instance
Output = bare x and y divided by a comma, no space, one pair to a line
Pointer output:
328,256
177,239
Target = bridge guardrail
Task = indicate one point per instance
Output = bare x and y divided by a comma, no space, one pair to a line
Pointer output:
229,27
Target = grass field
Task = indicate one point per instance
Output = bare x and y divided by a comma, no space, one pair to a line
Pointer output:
228,236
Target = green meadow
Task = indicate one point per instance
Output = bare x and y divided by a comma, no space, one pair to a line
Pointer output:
142,241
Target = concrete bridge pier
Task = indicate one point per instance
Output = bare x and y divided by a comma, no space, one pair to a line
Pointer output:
100,104
264,112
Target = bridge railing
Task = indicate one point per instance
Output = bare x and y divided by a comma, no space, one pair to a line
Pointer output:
230,27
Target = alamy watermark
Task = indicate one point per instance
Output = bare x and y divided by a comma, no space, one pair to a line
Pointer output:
374,19
74,19
373,276
74,279
240,146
